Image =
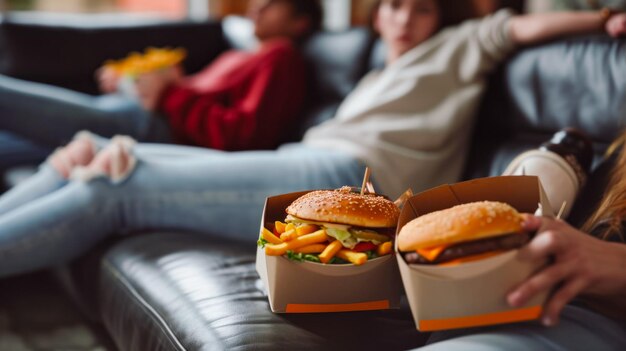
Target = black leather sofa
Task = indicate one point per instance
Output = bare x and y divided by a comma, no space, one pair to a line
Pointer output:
184,291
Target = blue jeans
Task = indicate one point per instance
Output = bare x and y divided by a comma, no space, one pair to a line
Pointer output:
47,221
579,329
51,115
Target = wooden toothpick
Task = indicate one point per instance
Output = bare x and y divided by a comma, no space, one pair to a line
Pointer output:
561,210
366,179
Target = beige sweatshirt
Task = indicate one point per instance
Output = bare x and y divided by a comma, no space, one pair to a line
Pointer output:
412,122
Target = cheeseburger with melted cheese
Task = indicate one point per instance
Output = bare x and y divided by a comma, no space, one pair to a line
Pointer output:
462,233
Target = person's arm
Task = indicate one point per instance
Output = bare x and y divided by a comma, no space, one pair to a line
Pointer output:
583,266
535,28
256,120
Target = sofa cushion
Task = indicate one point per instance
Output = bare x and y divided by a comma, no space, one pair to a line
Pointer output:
578,82
177,291
338,60
17,151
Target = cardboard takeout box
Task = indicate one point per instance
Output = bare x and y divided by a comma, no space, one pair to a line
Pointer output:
308,287
471,294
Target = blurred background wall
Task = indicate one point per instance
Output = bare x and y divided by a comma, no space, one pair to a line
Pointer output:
340,13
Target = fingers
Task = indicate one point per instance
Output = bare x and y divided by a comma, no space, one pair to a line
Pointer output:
561,241
543,281
617,26
560,298
546,243
107,79
531,223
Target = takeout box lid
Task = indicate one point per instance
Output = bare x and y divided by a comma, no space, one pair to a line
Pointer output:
309,287
471,294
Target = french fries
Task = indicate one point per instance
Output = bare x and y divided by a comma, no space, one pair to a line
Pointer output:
290,226
312,249
311,239
384,249
270,237
330,251
357,258
289,235
280,227
306,229
301,241
152,59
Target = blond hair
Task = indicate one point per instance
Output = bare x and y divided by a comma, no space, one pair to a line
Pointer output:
610,214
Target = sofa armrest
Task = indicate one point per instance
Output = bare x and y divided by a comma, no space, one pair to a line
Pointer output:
65,50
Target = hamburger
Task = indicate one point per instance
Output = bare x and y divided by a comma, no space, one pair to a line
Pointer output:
462,233
361,225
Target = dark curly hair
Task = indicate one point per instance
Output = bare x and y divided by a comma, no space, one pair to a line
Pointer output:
454,12
311,9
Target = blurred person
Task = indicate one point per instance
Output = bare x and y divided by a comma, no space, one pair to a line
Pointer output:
410,121
233,104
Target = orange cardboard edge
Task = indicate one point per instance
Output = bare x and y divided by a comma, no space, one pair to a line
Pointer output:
519,315
347,307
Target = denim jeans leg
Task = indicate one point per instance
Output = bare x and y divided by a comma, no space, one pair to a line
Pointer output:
56,228
52,115
579,329
47,180
220,195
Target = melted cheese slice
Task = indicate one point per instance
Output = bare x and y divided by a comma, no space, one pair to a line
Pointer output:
432,253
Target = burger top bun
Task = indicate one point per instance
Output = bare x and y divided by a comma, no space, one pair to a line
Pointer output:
345,207
471,221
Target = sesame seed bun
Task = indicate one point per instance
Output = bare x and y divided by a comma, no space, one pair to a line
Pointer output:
467,222
345,207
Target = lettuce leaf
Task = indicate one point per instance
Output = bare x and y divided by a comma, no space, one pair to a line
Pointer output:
261,243
344,236
371,254
369,235
337,260
300,257
296,220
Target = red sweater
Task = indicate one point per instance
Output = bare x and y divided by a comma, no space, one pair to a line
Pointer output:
241,101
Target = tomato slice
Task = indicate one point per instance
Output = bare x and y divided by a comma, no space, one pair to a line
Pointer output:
364,246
